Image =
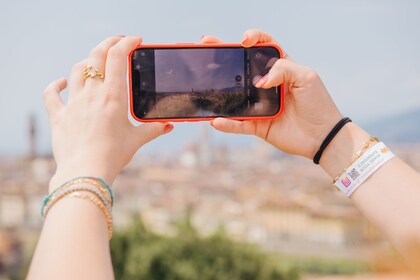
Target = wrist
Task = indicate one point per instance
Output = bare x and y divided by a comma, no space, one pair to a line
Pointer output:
64,174
343,148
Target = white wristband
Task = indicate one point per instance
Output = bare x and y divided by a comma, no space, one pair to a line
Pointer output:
363,167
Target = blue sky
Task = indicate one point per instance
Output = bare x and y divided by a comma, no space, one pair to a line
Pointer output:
367,52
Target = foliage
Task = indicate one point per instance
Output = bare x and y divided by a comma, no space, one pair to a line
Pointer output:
140,254
324,266
202,102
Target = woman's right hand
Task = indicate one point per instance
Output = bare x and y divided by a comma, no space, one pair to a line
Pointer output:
309,112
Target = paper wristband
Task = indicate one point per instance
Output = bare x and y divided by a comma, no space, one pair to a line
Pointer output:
363,167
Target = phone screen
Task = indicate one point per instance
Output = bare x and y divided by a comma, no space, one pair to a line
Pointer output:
182,83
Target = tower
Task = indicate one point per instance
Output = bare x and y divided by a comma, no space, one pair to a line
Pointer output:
204,149
32,137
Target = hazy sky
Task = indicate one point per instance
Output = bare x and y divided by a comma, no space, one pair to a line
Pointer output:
367,52
201,69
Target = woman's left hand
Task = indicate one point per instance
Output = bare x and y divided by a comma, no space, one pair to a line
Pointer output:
91,134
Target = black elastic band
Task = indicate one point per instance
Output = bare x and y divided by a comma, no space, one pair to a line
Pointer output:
330,137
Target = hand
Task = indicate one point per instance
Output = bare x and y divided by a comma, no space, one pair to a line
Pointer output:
91,134
309,112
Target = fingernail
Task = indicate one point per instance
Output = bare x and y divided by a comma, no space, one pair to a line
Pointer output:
121,36
244,38
168,128
262,81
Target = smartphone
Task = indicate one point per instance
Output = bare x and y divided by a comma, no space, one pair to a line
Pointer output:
194,82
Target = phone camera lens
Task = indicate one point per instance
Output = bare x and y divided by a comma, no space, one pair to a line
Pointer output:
138,67
258,55
238,78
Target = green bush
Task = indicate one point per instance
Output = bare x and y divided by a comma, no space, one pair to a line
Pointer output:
139,254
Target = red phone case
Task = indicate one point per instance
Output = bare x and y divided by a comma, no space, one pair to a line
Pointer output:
192,45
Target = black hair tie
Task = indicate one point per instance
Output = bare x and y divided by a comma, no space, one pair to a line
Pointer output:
330,137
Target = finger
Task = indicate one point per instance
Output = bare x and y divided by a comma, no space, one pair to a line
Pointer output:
287,56
254,36
97,58
116,63
210,40
77,82
233,126
148,131
52,99
286,71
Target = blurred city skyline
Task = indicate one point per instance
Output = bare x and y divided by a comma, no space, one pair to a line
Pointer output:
364,51
280,203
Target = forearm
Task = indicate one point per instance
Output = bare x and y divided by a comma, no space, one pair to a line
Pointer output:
91,136
74,243
386,196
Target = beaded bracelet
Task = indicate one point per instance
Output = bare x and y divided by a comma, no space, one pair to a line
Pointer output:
93,189
63,191
365,146
97,182
84,192
91,182
88,178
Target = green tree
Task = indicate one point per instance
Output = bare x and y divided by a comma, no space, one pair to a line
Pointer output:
140,254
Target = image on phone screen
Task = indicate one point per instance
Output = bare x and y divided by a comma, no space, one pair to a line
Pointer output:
202,82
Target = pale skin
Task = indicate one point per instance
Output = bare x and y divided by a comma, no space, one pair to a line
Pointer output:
92,136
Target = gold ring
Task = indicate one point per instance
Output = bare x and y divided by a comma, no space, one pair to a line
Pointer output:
90,72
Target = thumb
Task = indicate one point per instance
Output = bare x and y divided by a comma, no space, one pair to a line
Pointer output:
233,126
286,71
149,131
